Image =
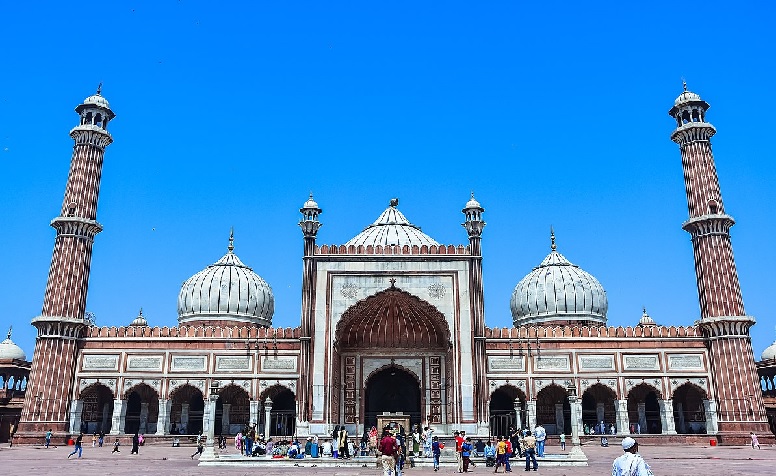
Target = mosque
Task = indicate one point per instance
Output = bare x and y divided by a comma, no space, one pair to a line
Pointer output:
393,329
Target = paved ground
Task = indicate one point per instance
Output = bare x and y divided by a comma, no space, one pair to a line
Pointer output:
157,460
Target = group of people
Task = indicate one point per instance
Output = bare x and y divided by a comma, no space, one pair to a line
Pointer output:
137,441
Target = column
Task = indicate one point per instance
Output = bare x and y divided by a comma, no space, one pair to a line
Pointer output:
642,418
143,428
575,417
106,415
225,418
267,410
710,409
531,404
599,413
559,423
667,416
208,421
163,421
518,414
622,418
682,427
254,416
185,418
119,412
76,408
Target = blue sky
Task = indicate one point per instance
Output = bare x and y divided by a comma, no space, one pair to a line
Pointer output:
228,114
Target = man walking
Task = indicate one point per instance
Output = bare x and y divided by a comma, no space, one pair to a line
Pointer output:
48,437
78,449
541,436
388,449
631,463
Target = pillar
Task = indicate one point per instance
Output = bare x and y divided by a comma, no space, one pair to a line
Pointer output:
267,410
643,417
518,413
710,410
143,428
225,418
623,425
76,408
163,421
681,423
576,416
531,423
667,416
600,411
559,423
185,418
106,415
254,413
119,412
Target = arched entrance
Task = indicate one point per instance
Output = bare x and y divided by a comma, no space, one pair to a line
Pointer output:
598,406
392,389
187,411
97,409
389,325
233,410
553,410
503,414
282,416
689,413
142,410
644,410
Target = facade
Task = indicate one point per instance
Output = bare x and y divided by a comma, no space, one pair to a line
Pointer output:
393,322
14,371
766,370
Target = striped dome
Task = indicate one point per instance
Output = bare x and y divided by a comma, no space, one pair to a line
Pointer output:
558,291
392,228
226,291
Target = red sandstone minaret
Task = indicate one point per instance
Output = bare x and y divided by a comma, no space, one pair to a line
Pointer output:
310,226
62,322
723,320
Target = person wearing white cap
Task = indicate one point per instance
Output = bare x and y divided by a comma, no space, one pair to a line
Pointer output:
631,463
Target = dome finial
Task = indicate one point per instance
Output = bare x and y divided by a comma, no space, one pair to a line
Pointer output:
99,89
553,247
9,332
394,202
684,84
231,240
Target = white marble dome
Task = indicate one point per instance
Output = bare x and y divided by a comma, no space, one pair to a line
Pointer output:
392,228
9,350
769,353
557,291
227,291
97,100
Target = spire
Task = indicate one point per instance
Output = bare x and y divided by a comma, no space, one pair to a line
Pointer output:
684,84
99,89
230,247
553,247
9,332
394,202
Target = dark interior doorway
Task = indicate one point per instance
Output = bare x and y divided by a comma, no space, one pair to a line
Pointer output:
392,390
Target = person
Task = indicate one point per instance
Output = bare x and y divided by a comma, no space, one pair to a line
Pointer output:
270,448
116,445
49,434
601,430
458,444
11,433
436,450
373,439
479,448
501,450
466,453
327,449
238,441
562,438
335,442
388,449
612,429
101,439
541,436
508,455
343,443
490,454
417,438
221,441
135,444
78,449
94,440
514,439
401,449
200,446
630,463
428,435
755,441
529,448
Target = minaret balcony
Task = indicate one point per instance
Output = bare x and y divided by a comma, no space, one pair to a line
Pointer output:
711,224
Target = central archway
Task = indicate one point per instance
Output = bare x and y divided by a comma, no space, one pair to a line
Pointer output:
392,390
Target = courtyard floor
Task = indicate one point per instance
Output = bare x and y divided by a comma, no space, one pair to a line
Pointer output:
159,460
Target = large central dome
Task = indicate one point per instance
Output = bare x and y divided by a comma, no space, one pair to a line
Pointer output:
558,292
226,292
392,228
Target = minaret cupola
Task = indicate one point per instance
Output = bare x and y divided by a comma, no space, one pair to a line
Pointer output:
95,111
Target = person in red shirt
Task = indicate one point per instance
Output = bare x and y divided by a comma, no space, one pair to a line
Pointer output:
458,456
388,449
508,455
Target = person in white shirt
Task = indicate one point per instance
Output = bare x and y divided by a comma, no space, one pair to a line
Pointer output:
631,463
541,435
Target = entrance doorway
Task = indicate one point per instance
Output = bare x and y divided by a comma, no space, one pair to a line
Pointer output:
392,390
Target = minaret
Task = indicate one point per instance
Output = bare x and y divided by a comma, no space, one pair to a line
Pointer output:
61,322
722,318
310,226
474,226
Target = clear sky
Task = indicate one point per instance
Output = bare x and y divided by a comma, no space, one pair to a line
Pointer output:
229,114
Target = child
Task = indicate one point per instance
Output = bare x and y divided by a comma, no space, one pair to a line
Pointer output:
116,447
562,438
436,451
94,440
755,441
490,454
466,453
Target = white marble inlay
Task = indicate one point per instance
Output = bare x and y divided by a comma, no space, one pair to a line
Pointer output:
188,363
685,362
102,362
